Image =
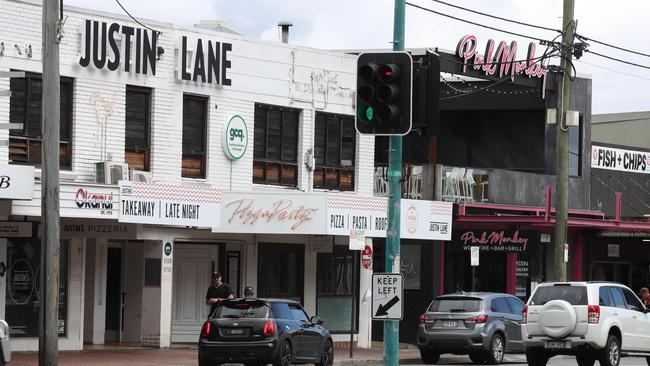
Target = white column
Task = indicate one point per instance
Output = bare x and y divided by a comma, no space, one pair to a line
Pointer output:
166,292
99,292
365,320
75,319
310,279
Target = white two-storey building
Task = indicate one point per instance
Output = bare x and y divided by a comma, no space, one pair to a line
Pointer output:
242,156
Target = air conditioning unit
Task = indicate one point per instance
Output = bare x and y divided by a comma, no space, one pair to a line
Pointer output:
140,176
108,172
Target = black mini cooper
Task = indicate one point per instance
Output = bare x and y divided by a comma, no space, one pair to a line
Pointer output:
264,331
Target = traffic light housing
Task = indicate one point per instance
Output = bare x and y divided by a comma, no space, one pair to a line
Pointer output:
384,88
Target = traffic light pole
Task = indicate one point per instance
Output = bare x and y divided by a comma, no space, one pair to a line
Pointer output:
392,264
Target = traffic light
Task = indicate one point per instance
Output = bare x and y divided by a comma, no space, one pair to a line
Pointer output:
384,83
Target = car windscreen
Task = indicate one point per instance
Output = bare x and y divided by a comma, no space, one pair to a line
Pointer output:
574,295
242,310
456,305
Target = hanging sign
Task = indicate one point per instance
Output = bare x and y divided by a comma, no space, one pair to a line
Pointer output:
16,182
15,229
611,158
357,239
474,255
234,138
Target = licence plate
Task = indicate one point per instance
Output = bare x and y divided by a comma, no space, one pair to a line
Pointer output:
556,344
235,331
449,323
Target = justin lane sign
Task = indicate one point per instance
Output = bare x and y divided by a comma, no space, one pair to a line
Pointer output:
114,46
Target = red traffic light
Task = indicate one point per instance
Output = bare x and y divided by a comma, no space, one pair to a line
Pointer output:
387,73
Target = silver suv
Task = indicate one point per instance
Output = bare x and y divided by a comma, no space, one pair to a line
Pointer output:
481,325
592,320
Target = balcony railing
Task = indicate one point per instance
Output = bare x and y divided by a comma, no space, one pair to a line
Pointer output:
412,186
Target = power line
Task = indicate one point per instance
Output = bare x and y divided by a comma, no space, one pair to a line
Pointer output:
587,39
541,40
135,20
498,17
618,59
613,70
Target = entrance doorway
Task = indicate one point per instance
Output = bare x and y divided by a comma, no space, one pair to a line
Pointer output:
114,302
193,268
612,271
280,271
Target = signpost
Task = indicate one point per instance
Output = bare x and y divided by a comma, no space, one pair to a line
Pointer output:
387,296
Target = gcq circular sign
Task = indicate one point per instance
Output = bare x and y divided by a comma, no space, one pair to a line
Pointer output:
235,138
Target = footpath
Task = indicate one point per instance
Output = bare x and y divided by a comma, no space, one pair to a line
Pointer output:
187,356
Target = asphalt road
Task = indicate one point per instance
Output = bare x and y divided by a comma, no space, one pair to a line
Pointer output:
520,360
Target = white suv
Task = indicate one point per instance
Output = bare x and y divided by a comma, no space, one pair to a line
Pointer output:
592,320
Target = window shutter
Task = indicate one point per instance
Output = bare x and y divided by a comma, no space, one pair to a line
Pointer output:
194,113
137,134
259,146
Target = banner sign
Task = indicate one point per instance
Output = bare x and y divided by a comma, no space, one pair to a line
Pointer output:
15,229
167,204
274,213
429,220
88,201
611,158
16,182
494,240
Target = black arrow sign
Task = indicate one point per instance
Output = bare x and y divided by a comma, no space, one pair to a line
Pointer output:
383,309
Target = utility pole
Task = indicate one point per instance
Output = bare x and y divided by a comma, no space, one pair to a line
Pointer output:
392,262
50,120
562,142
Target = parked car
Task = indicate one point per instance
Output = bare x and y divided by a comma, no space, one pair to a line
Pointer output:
481,325
263,331
592,320
5,345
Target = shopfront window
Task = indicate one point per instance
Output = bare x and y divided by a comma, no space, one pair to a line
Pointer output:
23,287
137,121
411,266
575,146
280,271
195,120
335,288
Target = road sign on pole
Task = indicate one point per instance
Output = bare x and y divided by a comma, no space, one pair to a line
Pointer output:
387,296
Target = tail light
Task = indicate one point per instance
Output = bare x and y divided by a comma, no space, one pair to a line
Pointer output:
205,329
593,314
424,318
524,315
481,319
269,329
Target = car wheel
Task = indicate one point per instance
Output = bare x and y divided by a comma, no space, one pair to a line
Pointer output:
203,362
327,356
429,356
647,359
284,355
611,354
478,358
536,357
585,359
497,349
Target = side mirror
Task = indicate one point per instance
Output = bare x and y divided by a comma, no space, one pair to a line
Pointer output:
316,320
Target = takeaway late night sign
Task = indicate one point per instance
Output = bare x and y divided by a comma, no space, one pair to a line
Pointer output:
501,61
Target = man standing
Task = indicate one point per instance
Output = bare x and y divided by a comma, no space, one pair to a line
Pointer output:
218,292
645,297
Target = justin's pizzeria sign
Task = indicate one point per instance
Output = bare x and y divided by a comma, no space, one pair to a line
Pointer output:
611,158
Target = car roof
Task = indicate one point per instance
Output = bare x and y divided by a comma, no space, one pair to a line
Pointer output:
481,295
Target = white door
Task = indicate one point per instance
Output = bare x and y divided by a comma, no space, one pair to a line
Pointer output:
193,267
640,319
628,323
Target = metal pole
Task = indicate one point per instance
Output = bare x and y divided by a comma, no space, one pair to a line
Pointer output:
49,299
355,260
562,142
391,328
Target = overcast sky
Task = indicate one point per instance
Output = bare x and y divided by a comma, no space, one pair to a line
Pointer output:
337,24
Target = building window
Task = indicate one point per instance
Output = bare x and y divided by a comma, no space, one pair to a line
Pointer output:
280,271
137,136
335,287
575,149
195,112
25,107
275,157
23,293
334,152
